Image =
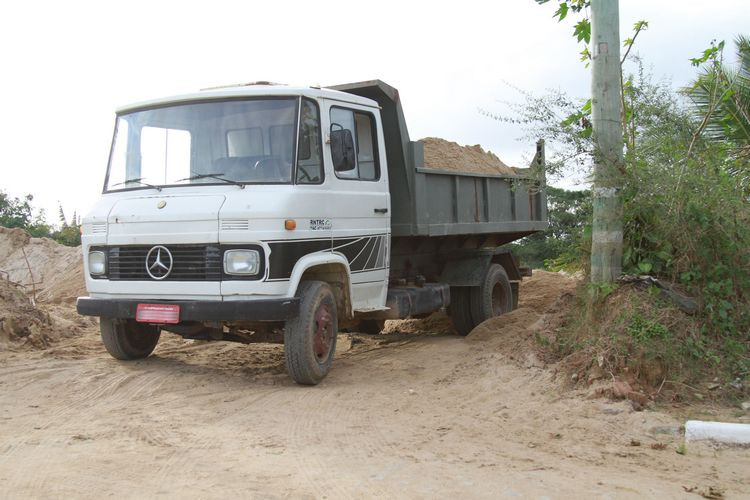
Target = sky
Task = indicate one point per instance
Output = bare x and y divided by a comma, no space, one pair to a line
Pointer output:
66,66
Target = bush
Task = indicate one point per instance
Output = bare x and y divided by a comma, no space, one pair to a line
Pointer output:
686,220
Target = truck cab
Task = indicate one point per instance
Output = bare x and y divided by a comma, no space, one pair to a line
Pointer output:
249,213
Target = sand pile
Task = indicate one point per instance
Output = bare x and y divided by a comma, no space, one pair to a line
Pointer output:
18,318
27,326
54,270
544,306
446,155
36,298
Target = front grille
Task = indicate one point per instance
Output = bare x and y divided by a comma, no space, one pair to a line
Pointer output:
191,263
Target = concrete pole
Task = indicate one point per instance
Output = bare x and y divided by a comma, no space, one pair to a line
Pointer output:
606,245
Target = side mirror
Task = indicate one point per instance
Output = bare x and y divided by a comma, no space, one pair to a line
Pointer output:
342,150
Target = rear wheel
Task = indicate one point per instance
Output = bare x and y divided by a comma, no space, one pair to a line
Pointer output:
127,339
310,338
460,310
493,297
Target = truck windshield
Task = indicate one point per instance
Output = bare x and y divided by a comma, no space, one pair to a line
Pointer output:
239,141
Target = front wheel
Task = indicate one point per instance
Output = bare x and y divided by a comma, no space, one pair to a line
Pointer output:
126,339
310,338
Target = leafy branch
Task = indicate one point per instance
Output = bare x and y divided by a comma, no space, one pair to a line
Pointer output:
582,33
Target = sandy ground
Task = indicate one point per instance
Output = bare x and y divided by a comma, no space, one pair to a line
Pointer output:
417,415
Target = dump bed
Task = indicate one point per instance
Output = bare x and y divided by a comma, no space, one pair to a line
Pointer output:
443,202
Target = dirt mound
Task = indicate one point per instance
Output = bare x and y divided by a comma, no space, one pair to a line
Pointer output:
26,326
446,155
42,266
18,318
644,345
39,281
437,323
544,304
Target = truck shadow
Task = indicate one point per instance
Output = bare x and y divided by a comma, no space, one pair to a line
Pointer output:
263,364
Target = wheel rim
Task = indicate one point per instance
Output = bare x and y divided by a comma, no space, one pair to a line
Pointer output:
323,334
499,300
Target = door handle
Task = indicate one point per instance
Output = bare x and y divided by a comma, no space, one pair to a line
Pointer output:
381,210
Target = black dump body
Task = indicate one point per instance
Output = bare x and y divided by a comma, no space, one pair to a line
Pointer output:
439,215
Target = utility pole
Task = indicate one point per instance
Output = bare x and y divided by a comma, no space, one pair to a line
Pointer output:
606,245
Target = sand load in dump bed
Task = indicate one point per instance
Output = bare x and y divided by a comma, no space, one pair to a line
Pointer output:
447,155
441,189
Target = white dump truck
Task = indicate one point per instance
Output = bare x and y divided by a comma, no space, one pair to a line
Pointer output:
267,213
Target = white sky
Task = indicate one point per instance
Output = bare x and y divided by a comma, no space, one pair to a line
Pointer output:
67,65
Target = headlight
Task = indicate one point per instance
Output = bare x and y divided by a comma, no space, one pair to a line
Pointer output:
97,263
243,262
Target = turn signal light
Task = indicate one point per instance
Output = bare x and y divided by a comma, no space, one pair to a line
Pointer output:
290,224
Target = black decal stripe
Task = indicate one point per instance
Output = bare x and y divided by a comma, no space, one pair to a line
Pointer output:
373,260
352,251
381,254
360,261
364,253
284,256
337,241
298,240
344,242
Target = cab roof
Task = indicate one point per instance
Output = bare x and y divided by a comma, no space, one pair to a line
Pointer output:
259,89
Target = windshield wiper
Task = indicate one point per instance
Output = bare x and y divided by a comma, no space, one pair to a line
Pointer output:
217,176
138,180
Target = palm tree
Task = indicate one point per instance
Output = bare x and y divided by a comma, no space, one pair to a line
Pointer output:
721,98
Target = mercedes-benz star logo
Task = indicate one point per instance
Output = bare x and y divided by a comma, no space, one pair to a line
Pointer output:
159,262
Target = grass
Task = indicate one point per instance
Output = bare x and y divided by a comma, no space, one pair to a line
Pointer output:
631,333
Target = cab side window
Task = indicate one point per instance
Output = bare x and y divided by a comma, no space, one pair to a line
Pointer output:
362,127
309,159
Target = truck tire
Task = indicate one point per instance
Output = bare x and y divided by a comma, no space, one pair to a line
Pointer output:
127,340
310,338
371,326
460,310
493,297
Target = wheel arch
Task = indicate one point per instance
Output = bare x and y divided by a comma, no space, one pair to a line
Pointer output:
509,263
333,268
470,270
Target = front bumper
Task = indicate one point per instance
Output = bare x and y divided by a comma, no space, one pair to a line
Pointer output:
197,310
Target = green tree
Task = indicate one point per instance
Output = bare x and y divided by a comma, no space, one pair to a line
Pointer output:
15,212
69,233
564,243
19,213
721,97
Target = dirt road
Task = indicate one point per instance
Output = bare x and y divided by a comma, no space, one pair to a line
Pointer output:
400,415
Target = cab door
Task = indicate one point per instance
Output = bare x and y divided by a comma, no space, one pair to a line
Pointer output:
361,222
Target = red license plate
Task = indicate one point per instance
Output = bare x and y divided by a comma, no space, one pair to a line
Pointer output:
157,313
